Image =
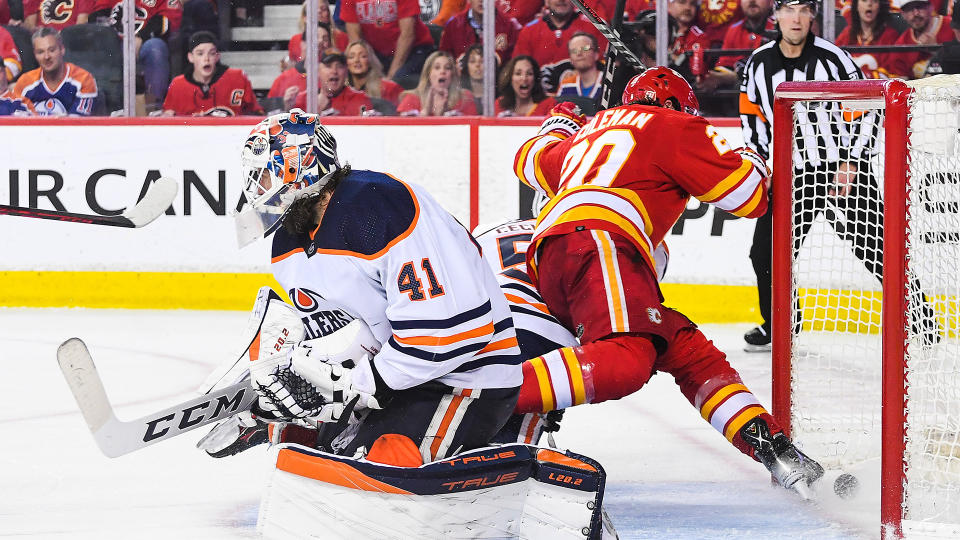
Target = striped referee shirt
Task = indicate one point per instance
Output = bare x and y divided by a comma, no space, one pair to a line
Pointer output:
825,135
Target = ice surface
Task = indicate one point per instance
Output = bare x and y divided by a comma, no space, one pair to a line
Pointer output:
669,474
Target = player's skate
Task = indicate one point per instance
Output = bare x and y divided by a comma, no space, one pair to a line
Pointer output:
790,467
758,339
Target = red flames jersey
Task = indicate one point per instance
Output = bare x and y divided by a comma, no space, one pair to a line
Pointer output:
913,64
874,65
547,43
715,16
348,102
378,22
170,13
630,171
57,14
740,37
9,55
228,94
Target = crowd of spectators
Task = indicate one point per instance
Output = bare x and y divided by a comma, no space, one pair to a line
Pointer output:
414,57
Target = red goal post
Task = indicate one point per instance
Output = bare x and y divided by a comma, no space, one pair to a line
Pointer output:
866,366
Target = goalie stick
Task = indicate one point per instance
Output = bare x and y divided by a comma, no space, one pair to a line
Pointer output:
154,202
116,437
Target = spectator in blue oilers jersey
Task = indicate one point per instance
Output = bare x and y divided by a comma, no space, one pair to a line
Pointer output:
56,88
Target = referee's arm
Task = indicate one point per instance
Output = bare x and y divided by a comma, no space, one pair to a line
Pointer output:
756,124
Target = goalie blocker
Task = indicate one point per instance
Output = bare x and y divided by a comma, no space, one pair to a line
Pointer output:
510,491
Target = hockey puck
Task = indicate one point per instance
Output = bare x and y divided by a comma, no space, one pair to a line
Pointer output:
846,486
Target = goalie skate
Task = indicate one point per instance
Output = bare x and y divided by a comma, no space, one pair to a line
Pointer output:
509,491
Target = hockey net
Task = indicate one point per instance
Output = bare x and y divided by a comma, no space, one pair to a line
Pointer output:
866,289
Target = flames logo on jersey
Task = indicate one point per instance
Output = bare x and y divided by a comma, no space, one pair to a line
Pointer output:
56,11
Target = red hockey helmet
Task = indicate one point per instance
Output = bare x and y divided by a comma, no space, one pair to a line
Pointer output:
663,87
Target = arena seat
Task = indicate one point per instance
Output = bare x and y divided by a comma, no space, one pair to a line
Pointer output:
98,49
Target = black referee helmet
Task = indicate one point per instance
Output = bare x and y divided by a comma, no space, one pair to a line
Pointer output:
814,4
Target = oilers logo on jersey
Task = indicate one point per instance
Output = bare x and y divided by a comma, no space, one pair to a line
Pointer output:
319,317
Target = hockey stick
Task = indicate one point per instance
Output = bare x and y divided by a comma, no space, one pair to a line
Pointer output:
116,437
154,202
612,35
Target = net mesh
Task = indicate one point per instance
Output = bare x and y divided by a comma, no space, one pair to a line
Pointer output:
837,295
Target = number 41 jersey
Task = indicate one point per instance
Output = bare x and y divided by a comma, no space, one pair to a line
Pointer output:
630,171
386,252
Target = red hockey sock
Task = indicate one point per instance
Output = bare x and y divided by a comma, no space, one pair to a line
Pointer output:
610,368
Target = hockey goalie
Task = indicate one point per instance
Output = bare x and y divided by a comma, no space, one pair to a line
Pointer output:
382,386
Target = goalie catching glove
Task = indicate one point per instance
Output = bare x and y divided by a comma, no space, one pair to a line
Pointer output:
565,119
313,378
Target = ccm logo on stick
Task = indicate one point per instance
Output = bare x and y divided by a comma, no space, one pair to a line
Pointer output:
192,416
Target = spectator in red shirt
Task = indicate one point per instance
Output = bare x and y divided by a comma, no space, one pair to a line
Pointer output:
57,14
869,25
394,29
755,29
366,73
438,93
925,29
546,40
521,93
524,11
466,28
209,88
293,80
716,16
688,35
336,98
338,38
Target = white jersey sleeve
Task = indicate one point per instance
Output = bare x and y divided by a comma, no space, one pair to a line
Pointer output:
504,249
387,253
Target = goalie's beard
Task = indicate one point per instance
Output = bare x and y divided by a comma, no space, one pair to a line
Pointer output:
304,214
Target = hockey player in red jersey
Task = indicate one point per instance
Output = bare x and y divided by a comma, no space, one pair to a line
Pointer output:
616,186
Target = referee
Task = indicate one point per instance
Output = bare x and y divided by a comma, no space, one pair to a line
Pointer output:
835,174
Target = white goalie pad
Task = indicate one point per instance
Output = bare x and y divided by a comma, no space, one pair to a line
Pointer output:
509,491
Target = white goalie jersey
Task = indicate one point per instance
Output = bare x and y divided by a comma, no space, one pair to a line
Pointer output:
387,253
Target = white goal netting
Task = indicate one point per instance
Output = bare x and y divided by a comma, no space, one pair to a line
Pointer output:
838,298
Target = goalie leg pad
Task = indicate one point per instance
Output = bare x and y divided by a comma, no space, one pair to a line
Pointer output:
510,491
440,420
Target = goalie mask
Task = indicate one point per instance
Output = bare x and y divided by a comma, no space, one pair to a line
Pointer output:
286,157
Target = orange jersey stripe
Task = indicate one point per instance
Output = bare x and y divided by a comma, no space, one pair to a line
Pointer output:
536,305
434,341
500,345
445,423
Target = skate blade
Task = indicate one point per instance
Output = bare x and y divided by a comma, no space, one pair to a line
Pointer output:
805,491
756,348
